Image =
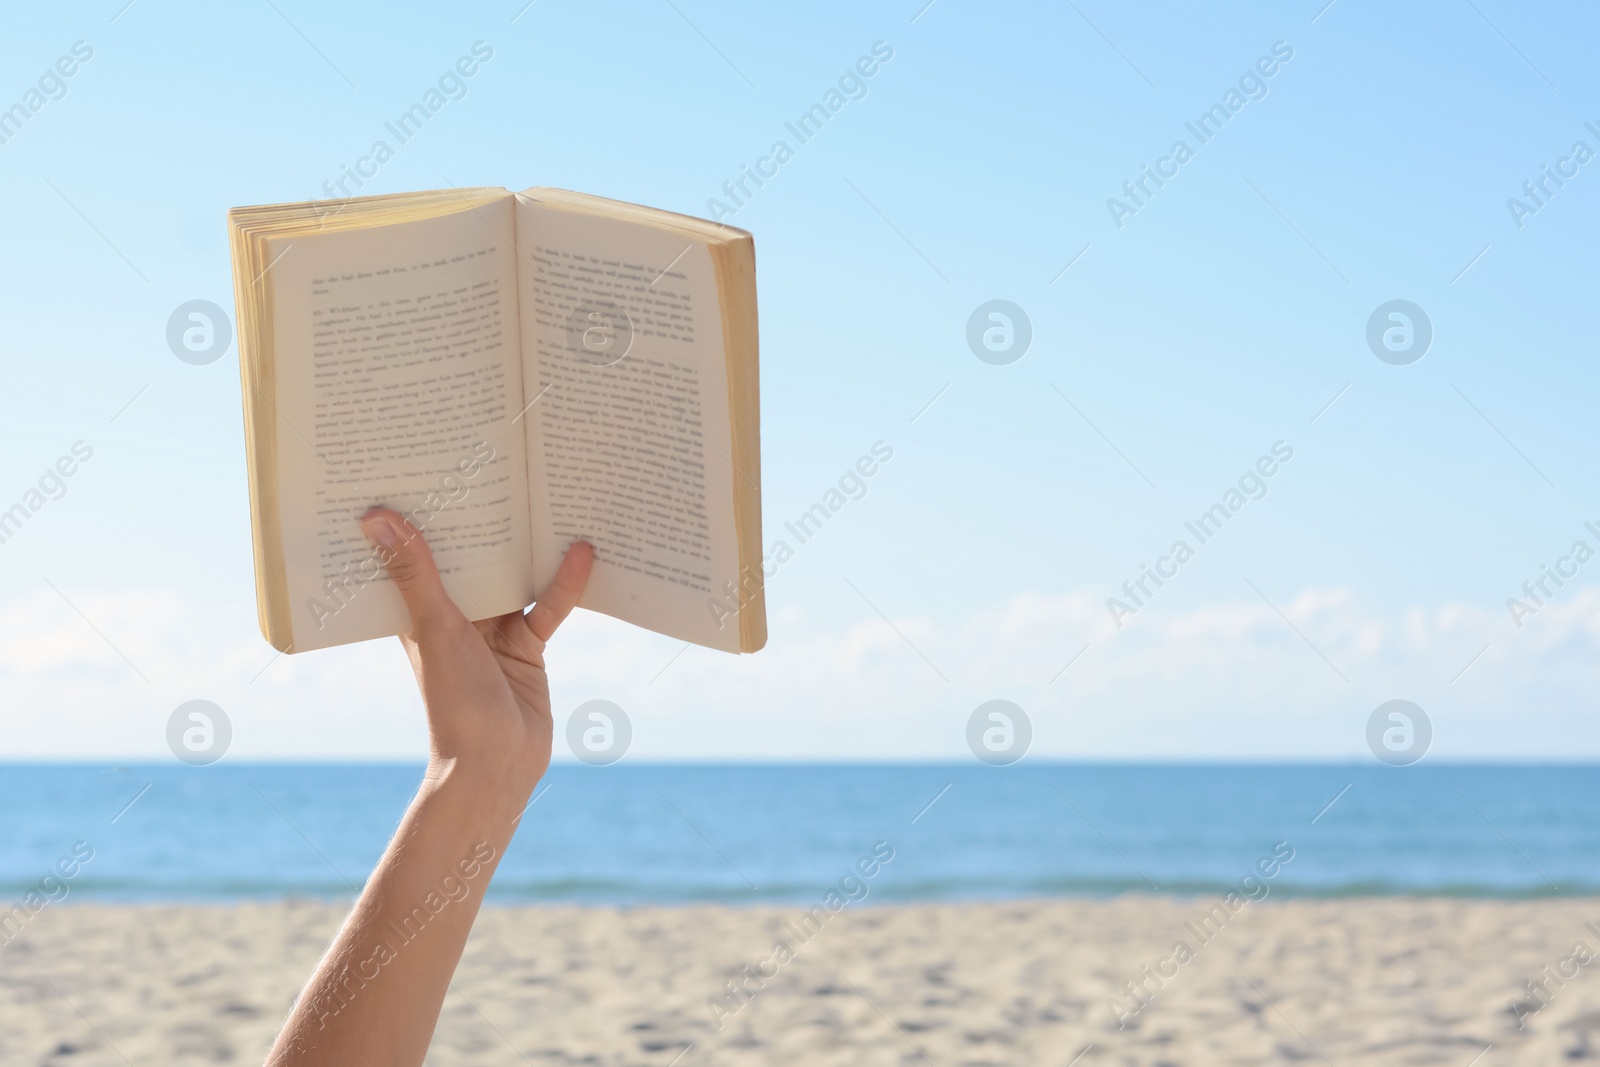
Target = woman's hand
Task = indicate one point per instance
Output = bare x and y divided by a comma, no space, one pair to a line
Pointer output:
483,683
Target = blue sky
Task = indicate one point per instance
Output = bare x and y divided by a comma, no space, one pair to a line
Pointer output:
1219,319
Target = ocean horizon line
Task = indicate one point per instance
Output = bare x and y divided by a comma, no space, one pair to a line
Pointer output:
1351,763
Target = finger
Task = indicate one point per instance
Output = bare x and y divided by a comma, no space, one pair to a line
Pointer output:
562,595
410,564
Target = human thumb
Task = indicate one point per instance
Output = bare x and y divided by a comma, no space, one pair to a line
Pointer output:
410,565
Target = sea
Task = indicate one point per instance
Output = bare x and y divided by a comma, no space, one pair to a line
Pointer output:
740,834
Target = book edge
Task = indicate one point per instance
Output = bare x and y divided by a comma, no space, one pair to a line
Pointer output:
256,380
735,267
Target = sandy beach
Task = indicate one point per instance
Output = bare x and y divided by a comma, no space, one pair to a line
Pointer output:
1364,981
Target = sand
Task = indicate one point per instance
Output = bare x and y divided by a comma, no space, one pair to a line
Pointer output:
1369,981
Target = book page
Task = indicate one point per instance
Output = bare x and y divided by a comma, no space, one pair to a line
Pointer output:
398,380
628,442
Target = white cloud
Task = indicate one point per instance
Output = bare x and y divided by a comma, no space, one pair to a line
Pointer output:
1228,680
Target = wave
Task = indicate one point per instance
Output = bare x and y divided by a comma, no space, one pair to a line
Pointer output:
882,891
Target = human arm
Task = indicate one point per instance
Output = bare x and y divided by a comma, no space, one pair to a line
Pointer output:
375,996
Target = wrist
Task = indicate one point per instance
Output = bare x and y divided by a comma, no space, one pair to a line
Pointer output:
481,794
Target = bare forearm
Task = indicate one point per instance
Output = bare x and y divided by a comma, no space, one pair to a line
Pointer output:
376,995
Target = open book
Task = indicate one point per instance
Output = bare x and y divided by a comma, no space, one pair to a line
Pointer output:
512,372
